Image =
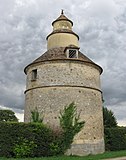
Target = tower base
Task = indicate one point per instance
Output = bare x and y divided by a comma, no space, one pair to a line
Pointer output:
86,148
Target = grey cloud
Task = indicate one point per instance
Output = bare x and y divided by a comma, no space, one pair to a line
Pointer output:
25,25
119,111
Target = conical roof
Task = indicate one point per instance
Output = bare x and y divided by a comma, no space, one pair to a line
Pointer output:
62,17
59,54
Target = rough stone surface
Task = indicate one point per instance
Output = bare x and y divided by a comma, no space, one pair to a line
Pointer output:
58,84
64,73
86,148
61,78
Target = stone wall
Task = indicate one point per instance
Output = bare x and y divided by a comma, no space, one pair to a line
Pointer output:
64,73
60,83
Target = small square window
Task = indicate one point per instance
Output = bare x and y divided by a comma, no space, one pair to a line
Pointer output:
34,74
73,53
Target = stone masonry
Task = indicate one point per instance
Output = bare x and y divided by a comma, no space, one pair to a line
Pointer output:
58,81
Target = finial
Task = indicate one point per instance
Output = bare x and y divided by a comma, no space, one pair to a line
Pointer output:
62,11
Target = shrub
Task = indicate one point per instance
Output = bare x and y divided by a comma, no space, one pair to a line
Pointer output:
24,148
115,138
69,122
70,125
37,140
34,134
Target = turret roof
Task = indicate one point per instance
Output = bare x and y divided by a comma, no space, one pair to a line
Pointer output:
62,17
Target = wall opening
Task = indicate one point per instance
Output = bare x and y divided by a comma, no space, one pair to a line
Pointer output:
72,53
34,74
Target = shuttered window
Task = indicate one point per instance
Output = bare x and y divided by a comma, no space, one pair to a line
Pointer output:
73,53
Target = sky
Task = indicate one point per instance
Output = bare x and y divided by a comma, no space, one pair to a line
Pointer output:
101,26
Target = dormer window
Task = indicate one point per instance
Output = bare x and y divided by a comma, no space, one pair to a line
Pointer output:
34,74
73,53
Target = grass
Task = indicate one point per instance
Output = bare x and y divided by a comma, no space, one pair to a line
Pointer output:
91,157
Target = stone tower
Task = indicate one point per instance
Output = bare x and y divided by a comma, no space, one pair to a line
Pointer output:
62,75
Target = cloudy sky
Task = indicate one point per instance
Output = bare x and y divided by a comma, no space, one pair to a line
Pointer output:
101,25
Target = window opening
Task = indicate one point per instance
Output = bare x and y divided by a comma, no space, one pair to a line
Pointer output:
34,74
72,53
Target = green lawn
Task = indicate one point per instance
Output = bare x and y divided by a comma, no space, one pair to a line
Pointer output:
91,157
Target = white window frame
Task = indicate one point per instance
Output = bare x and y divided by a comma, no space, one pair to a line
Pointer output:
68,53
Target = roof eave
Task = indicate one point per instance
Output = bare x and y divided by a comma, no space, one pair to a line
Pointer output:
62,32
92,63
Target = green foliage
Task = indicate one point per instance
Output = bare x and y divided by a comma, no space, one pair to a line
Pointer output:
55,147
69,127
35,134
70,124
35,139
35,116
109,118
7,115
69,120
115,138
24,148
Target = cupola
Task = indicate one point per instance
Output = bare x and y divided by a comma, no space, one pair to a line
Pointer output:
62,34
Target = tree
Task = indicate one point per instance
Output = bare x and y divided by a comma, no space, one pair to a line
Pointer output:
8,115
109,118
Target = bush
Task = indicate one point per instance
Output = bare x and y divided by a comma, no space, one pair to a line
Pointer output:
115,138
37,135
24,148
70,126
69,122
37,140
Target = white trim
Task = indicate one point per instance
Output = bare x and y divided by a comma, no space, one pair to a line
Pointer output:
67,53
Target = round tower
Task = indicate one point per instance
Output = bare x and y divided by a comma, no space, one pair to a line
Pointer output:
63,75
